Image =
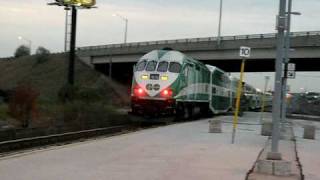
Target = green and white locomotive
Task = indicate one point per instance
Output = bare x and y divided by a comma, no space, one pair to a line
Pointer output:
169,82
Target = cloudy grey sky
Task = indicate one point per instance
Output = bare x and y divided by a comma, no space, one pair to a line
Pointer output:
148,20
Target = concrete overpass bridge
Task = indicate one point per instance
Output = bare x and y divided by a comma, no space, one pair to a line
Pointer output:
119,58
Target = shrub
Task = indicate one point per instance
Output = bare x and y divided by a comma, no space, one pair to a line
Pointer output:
3,111
81,115
75,93
22,104
42,54
22,51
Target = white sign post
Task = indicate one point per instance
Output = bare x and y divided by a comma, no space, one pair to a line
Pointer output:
244,53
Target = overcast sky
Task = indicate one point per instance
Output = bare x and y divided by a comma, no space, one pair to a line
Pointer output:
148,20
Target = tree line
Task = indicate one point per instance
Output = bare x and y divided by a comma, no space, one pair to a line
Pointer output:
24,50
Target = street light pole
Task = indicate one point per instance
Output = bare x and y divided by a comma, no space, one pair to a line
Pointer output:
126,31
219,25
276,107
125,28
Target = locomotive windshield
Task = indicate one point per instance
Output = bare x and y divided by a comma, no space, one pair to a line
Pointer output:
174,67
163,66
151,66
141,65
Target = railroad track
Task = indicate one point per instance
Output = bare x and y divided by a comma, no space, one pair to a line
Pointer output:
41,141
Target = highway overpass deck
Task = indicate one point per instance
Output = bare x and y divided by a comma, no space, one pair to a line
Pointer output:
305,51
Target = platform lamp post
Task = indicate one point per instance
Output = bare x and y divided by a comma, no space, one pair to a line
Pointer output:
286,59
125,27
29,42
73,5
276,106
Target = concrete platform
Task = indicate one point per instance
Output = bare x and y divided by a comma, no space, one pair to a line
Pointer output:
308,150
182,151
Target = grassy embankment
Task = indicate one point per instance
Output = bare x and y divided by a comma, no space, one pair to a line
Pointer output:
96,96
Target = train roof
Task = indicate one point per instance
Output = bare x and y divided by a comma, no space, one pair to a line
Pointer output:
214,68
170,55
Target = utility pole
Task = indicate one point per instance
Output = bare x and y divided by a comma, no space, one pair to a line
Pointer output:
276,107
286,60
72,45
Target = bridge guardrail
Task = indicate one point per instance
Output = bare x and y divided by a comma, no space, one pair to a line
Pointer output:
194,40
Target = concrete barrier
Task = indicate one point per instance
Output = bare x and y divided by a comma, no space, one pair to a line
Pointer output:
274,167
266,129
215,126
309,132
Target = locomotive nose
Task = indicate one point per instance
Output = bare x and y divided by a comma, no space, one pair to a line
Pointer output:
153,87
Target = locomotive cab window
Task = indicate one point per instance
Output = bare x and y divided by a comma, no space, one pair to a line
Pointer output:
141,65
163,66
197,68
174,67
151,66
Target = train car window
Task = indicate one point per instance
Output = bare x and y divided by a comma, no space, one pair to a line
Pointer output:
197,68
163,66
151,66
174,67
141,65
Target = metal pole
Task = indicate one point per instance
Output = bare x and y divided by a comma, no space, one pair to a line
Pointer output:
264,97
126,26
110,67
72,46
219,25
286,60
66,31
276,107
239,92
126,31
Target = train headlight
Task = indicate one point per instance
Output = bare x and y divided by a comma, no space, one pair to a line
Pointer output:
164,78
145,77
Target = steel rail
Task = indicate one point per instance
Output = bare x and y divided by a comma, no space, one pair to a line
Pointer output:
25,143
